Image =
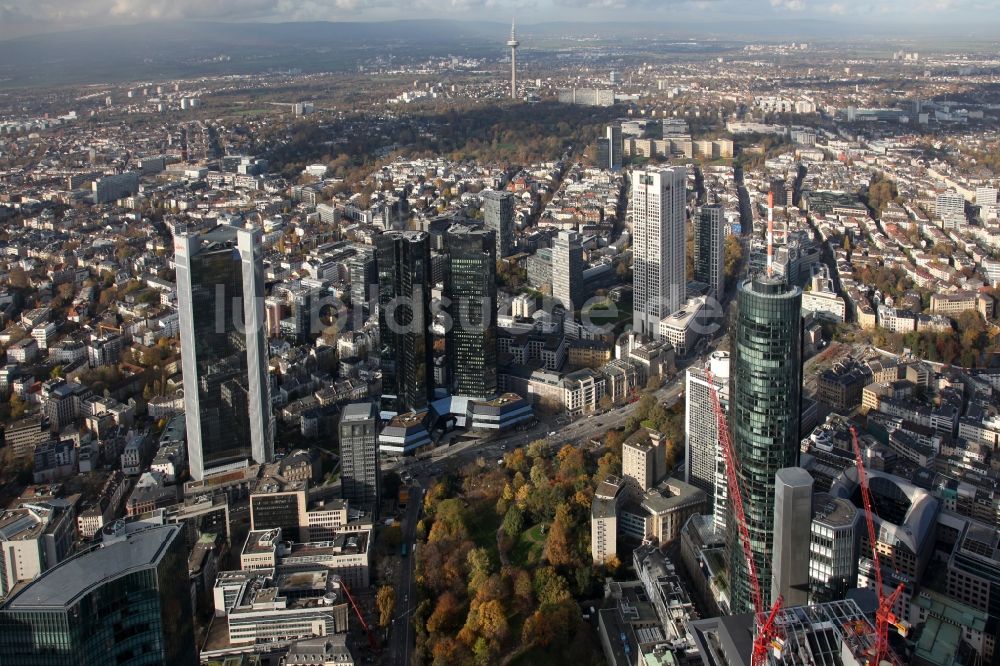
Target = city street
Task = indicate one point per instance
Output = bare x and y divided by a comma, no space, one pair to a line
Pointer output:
401,636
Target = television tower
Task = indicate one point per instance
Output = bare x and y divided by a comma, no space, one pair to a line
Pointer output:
513,44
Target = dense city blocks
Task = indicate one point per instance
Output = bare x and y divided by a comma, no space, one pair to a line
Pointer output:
370,332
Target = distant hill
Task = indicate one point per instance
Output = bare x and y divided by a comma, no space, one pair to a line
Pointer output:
178,49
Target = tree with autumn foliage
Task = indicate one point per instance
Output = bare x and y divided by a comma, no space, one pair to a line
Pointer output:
385,600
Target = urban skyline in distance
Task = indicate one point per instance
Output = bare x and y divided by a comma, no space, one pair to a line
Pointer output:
499,333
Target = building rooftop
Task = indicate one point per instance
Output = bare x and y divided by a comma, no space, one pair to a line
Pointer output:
407,420
20,525
824,632
834,511
323,650
921,511
358,411
63,584
671,494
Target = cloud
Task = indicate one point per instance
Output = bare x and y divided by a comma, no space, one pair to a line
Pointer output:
629,4
25,17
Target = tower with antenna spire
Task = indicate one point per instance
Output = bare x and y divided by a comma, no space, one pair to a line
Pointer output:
513,44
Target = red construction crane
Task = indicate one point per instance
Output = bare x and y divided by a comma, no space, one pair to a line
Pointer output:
767,635
372,641
883,614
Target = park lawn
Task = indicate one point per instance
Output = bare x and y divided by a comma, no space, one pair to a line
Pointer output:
528,550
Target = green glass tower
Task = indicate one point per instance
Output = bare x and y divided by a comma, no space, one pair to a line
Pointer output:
765,397
125,602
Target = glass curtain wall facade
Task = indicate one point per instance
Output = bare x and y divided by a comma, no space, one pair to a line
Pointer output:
404,290
220,295
137,615
498,215
709,248
765,406
471,294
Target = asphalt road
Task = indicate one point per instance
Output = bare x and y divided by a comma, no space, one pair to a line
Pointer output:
401,635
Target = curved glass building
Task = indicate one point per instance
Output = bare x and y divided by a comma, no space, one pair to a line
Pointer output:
123,603
765,397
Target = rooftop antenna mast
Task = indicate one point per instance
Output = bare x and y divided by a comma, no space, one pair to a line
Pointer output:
770,234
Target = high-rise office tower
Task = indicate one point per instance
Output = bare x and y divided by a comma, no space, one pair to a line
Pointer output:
615,147
793,490
659,200
360,476
220,298
404,296
471,293
709,248
704,464
765,396
126,602
363,276
567,270
498,213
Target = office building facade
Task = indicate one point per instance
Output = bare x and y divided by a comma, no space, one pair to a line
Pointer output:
615,147
567,270
709,248
404,292
659,280
220,298
363,277
704,464
471,297
833,548
360,476
498,213
765,394
120,603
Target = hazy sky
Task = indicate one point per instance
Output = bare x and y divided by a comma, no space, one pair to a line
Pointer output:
25,17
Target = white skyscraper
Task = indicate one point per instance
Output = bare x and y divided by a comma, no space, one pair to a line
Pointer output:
703,464
567,270
659,199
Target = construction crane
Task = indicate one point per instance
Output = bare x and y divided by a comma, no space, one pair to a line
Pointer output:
767,635
884,615
372,641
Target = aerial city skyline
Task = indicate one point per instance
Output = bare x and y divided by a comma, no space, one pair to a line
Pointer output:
332,335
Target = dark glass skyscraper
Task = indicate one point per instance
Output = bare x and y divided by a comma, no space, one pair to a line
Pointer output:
765,406
472,303
709,248
404,292
360,477
498,213
220,298
125,603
